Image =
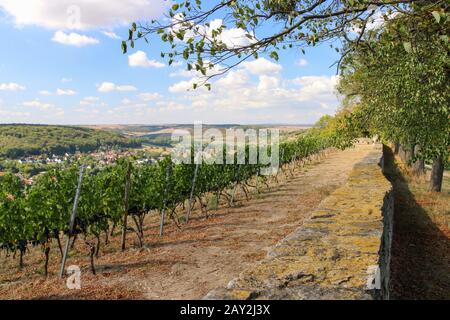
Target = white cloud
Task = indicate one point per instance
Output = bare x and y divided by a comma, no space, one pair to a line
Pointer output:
140,59
177,64
182,86
58,92
11,86
261,66
217,69
89,100
110,87
379,19
240,96
126,101
292,100
73,39
150,96
375,22
48,109
316,86
301,62
36,103
65,92
90,111
234,80
82,14
8,114
268,82
233,38
182,73
65,80
111,34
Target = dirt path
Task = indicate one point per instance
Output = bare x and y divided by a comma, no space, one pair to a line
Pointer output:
189,262
209,253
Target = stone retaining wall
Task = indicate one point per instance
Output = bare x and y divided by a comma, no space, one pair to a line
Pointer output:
341,252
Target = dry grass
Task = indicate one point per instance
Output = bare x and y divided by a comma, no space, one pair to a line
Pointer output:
421,244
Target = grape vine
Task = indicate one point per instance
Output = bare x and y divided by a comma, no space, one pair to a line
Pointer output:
39,214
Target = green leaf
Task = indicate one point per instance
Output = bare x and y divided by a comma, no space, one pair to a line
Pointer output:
407,46
437,16
274,55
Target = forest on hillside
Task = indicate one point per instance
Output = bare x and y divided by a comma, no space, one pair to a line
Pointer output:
31,140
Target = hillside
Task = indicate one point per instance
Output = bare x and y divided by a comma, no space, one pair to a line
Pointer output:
161,135
17,140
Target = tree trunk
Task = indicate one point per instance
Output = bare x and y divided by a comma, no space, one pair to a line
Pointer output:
20,259
47,254
139,231
406,153
112,229
396,147
97,246
402,153
437,172
409,153
58,240
244,188
126,198
418,166
91,255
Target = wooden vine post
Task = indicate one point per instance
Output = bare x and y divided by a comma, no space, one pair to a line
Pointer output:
163,211
126,200
72,221
257,180
281,165
192,192
235,185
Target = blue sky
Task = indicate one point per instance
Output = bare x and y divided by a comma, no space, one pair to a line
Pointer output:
57,72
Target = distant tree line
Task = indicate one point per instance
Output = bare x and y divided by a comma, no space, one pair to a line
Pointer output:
33,140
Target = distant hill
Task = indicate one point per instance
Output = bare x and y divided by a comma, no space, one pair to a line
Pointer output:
167,129
161,135
18,140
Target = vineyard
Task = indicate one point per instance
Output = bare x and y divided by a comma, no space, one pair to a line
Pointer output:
38,214
354,206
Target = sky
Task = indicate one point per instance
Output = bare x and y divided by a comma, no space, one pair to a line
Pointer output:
61,63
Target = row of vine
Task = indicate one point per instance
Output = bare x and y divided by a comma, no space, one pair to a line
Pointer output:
39,214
